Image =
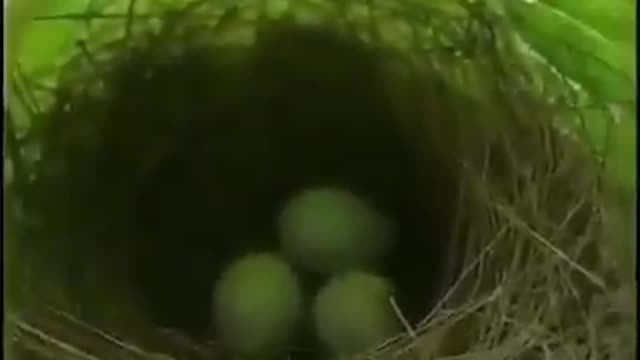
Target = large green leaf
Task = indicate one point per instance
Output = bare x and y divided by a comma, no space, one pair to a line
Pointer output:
604,67
39,44
613,19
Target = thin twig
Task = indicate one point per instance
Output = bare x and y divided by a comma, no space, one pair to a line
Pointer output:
93,16
462,276
100,333
402,318
52,340
130,16
596,280
25,91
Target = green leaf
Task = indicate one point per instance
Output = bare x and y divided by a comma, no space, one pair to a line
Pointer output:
613,19
621,157
39,44
605,68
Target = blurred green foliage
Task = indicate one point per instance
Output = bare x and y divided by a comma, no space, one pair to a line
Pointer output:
592,43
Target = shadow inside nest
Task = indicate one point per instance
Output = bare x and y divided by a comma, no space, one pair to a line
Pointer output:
165,167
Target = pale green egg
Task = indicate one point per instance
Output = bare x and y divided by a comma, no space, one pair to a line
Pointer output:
353,313
332,230
257,305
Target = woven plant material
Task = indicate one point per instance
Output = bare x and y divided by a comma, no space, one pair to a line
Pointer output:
165,148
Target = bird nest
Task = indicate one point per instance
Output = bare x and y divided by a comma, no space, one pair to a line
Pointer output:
166,147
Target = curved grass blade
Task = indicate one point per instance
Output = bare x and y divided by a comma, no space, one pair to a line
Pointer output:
602,67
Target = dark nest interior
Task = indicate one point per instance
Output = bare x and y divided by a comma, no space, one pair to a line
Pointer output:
162,161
